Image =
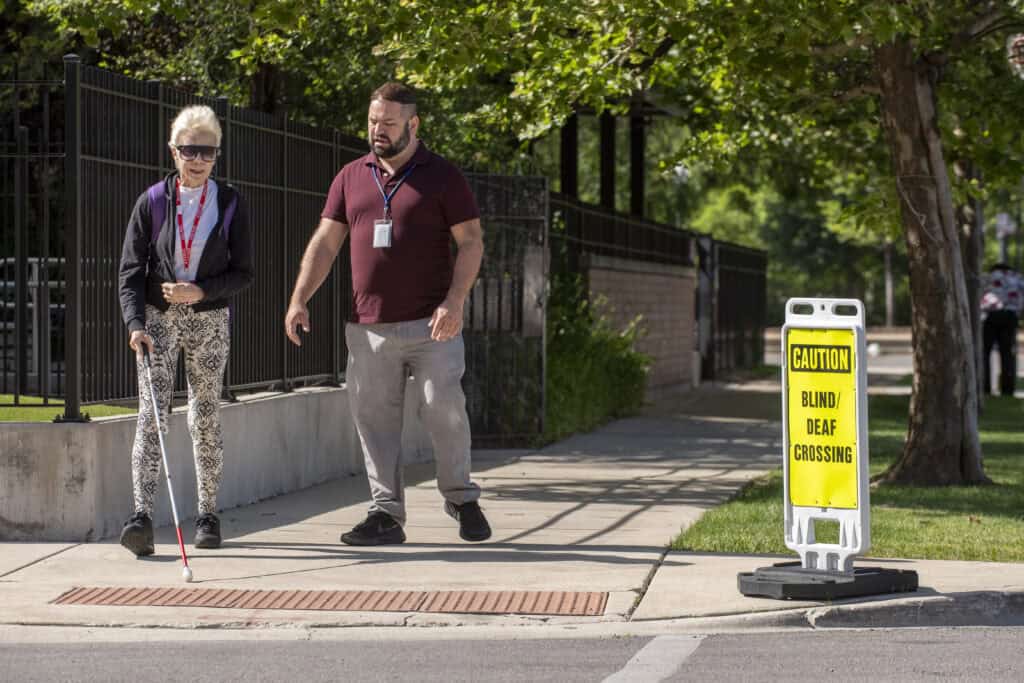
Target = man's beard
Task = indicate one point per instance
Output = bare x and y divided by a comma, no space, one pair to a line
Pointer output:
392,150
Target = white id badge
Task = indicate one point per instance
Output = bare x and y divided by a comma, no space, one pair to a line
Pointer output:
381,233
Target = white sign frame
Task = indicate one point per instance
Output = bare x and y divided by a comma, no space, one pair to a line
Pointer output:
854,524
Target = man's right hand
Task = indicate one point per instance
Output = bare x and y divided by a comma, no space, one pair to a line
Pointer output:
138,339
297,315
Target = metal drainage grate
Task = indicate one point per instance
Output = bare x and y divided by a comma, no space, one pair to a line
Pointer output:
553,603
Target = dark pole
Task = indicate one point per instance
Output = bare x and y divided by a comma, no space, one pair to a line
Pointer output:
224,113
636,161
73,239
607,160
20,261
284,243
44,257
570,158
338,364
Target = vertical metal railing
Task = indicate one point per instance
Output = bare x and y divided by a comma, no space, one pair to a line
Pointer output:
42,310
20,215
739,280
73,239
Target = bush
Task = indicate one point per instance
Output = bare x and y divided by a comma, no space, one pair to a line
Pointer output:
593,372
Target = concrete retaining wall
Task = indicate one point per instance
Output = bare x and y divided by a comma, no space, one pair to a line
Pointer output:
72,482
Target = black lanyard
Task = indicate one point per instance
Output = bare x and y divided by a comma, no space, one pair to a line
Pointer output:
388,195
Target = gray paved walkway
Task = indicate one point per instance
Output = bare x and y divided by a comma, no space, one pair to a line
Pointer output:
591,513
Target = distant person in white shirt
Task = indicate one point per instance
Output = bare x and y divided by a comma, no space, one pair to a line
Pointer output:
1001,306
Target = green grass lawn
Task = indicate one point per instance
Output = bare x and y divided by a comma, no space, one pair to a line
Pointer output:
33,409
947,523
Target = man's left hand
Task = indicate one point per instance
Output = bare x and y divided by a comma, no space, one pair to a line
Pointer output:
446,322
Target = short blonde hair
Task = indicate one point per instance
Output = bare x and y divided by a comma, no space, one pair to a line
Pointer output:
197,118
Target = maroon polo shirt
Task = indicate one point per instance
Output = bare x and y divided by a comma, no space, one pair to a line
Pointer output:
409,279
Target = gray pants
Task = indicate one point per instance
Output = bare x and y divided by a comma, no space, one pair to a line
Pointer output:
380,359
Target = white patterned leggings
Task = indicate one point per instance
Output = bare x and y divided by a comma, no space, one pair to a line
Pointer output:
204,336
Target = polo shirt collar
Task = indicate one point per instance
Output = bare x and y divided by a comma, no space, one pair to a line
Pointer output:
420,157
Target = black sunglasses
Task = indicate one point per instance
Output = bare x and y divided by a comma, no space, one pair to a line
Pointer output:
190,152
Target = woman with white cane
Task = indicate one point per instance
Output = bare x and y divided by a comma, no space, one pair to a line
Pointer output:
187,250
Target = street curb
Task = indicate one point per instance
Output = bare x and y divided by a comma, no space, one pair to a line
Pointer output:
975,608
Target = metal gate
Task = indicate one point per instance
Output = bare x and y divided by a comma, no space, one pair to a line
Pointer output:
505,315
31,244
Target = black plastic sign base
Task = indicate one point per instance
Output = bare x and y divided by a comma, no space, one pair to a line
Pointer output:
790,581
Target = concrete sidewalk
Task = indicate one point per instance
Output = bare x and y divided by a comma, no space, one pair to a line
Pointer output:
592,513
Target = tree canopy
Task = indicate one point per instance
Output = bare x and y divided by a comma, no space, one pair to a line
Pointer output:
868,102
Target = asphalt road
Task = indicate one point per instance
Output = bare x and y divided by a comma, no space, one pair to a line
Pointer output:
974,654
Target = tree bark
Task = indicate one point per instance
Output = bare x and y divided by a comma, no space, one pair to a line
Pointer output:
971,228
942,445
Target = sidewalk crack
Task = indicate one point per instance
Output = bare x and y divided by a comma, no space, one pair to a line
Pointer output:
647,582
38,560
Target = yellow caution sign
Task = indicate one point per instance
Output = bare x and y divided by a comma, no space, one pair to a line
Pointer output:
821,404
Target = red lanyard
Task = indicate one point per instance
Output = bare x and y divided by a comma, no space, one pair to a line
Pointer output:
186,249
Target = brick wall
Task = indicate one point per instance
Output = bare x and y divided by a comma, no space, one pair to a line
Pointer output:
664,296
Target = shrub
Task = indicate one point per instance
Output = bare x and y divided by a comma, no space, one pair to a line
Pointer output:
593,372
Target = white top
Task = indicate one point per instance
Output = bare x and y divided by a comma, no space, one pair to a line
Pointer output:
189,206
1004,290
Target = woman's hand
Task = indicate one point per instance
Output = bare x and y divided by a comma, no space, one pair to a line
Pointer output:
138,339
182,292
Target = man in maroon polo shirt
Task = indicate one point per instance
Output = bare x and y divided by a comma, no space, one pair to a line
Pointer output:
402,205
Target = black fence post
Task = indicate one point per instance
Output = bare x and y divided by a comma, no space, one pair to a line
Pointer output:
285,380
43,280
224,113
73,237
20,260
338,363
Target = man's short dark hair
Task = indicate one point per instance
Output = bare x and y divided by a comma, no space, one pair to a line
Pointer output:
395,92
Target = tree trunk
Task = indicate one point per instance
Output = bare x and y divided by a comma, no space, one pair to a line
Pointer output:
971,225
265,88
942,444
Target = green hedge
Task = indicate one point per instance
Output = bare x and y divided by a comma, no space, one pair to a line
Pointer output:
593,372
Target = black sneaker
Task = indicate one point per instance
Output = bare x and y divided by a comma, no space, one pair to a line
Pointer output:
137,534
379,528
207,531
473,525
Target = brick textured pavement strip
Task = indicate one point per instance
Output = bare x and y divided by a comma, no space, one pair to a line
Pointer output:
462,602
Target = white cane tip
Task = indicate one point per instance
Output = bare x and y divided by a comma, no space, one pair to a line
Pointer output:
186,574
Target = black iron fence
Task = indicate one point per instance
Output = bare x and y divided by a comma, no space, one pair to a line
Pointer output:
114,132
75,154
506,312
281,168
578,228
731,299
31,244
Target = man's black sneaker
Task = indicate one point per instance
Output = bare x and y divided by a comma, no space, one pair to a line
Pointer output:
137,534
379,528
207,531
473,525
